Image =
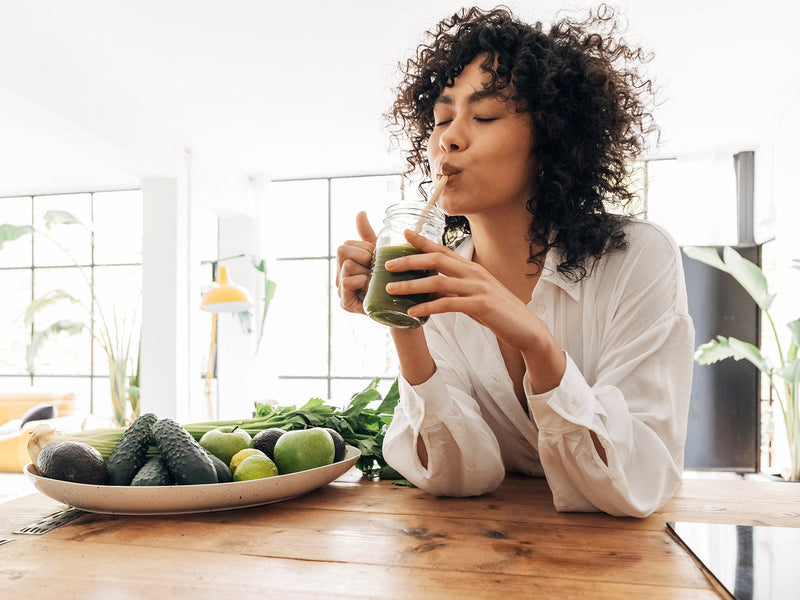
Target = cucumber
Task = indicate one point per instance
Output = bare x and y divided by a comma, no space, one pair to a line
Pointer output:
154,472
185,458
223,471
130,453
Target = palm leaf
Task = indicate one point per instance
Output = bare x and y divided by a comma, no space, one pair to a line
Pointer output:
706,255
747,273
794,329
269,292
60,217
9,233
750,276
790,372
722,348
47,299
64,325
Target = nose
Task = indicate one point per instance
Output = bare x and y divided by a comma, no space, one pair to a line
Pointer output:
453,138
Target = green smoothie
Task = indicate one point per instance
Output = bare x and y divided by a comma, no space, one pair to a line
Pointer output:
387,308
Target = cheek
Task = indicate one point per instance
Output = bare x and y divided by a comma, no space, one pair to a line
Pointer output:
433,148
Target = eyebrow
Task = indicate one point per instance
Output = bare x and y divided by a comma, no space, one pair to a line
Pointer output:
473,98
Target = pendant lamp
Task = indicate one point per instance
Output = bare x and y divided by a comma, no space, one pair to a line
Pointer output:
225,296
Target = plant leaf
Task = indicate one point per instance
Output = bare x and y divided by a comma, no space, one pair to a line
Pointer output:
747,273
794,329
60,217
390,400
66,326
9,233
722,348
750,277
269,293
259,263
46,300
706,255
790,372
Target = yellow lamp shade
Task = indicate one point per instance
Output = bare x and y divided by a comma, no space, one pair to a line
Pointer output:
225,296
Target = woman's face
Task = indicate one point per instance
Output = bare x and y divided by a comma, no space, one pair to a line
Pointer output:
483,145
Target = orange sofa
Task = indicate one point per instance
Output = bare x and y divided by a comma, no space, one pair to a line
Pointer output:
14,448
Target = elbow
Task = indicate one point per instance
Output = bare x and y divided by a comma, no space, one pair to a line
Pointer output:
441,477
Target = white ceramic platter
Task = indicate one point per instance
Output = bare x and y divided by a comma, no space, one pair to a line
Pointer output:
177,499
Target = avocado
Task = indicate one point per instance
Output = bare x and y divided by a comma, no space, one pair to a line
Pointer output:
339,447
266,439
72,461
223,471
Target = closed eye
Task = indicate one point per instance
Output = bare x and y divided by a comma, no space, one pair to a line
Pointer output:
485,119
440,123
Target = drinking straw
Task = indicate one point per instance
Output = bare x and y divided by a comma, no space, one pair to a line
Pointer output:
432,201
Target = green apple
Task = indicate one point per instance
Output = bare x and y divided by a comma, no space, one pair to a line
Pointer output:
303,449
224,442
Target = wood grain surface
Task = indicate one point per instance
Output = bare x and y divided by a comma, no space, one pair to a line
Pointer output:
362,539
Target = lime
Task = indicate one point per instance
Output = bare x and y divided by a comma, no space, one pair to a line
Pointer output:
256,466
237,458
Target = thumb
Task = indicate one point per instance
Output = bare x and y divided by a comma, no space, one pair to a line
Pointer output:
364,229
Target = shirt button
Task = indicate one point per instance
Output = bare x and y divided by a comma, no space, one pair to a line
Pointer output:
540,309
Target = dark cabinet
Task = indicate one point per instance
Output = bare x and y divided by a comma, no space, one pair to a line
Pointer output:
724,415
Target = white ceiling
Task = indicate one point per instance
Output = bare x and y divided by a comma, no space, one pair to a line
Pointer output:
102,92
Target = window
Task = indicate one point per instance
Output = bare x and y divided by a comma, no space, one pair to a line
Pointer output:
108,253
323,351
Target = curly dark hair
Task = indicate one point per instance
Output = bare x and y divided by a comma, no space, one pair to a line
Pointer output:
590,111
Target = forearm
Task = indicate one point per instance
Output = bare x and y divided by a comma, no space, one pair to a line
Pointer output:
416,362
545,361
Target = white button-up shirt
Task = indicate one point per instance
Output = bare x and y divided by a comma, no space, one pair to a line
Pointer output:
628,340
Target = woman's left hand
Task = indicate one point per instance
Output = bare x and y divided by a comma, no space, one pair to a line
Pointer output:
467,288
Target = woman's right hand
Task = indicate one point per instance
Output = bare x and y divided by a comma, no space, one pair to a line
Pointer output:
353,261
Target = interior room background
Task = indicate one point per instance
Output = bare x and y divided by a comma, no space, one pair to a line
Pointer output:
187,132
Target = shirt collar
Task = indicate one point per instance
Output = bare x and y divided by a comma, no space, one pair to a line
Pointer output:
550,273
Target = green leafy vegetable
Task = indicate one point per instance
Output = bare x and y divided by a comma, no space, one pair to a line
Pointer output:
358,424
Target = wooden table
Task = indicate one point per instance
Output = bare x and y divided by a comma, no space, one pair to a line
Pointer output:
361,539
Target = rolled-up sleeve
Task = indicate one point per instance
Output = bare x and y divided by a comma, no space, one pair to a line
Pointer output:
464,457
637,405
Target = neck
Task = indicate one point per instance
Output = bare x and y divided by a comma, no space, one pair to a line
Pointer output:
502,248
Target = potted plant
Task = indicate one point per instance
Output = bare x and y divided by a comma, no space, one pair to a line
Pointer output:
782,370
117,335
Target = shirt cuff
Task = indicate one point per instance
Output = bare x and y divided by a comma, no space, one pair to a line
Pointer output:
427,400
568,407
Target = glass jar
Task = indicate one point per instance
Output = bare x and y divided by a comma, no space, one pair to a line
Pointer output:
381,306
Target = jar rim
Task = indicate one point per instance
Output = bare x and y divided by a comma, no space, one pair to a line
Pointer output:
417,207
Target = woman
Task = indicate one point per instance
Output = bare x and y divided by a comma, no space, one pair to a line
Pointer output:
559,342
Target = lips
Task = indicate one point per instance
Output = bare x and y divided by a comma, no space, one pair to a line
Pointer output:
448,170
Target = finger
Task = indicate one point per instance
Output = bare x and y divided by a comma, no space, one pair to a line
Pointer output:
436,285
423,243
351,292
356,251
364,229
353,283
444,262
351,268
